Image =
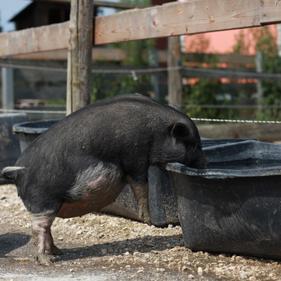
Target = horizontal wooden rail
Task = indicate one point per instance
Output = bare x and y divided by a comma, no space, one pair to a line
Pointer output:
45,38
98,54
118,55
179,18
194,16
106,4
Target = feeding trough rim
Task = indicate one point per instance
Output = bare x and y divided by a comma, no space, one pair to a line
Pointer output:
29,128
223,173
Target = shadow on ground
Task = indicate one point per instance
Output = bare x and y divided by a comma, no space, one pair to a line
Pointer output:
143,245
12,241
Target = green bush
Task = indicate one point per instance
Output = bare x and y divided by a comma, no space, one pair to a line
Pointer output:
201,98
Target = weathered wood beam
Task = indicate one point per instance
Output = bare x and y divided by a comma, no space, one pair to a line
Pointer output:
270,11
79,55
195,16
51,37
98,54
116,54
106,4
174,74
176,18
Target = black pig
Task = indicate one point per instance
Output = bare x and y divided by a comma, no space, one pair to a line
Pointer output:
81,164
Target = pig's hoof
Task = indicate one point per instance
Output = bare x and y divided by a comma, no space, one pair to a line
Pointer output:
44,259
147,220
145,217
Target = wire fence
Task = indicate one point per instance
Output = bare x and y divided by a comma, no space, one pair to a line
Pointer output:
186,71
136,74
61,113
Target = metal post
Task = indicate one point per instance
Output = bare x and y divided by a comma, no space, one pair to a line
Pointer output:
7,88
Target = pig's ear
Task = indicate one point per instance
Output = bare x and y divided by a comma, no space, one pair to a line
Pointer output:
180,131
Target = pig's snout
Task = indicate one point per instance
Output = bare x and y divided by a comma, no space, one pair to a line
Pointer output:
197,159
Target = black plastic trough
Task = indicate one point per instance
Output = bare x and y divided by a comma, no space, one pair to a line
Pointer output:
233,206
29,131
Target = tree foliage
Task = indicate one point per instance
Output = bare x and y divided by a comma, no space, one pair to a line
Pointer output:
201,96
211,92
265,43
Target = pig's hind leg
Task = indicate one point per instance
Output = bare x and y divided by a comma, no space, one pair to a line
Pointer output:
140,190
43,210
42,237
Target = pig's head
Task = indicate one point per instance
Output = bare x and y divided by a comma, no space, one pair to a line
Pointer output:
179,143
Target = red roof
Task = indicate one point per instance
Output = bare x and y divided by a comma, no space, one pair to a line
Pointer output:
219,42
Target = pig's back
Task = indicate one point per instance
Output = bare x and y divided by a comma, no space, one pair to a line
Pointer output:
105,126
113,130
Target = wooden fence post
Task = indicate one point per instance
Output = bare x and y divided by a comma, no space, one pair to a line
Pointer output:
174,74
79,54
259,69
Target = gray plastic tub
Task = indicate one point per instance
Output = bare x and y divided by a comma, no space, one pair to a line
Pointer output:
233,206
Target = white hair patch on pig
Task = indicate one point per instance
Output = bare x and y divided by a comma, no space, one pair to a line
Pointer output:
94,178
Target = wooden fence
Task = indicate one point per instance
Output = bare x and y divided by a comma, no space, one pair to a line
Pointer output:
194,16
175,18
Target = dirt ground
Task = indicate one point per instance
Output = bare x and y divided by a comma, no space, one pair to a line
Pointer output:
101,247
